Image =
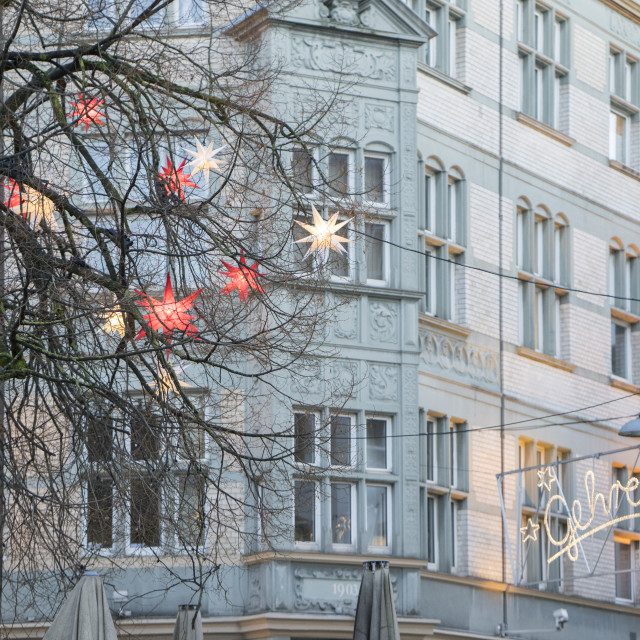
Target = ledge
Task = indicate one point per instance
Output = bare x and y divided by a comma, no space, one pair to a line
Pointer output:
625,385
443,325
443,77
545,128
546,359
621,314
623,168
624,105
331,558
628,8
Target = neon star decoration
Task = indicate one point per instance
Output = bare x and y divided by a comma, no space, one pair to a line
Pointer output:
30,204
530,531
168,315
323,237
174,179
546,478
205,159
87,112
242,278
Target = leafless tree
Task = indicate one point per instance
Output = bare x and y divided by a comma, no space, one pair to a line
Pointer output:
135,432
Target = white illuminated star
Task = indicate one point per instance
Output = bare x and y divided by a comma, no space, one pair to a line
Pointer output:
114,323
546,478
530,531
204,159
323,236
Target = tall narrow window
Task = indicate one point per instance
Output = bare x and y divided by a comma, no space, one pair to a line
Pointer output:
340,440
305,511
619,137
191,509
378,515
432,531
446,18
624,566
341,513
431,201
378,443
302,170
620,349
339,174
431,451
376,188
100,512
377,252
304,437
145,507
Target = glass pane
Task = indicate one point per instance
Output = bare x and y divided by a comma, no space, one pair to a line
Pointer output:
305,508
623,563
341,513
339,263
374,180
338,174
191,441
145,512
190,12
377,526
304,430
374,251
431,526
302,170
431,450
340,440
191,510
100,512
376,443
99,437
145,437
300,248
619,350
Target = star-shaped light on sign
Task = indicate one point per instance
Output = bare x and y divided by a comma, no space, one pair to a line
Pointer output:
323,237
243,278
87,111
546,477
168,315
530,531
174,179
205,159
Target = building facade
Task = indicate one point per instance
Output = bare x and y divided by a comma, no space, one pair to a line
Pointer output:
495,281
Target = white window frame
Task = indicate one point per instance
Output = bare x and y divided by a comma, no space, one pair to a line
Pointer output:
206,445
140,549
317,529
386,255
386,179
314,443
432,473
633,545
379,548
432,533
314,173
95,547
627,350
613,136
431,199
178,478
351,546
350,174
388,440
454,507
347,231
352,439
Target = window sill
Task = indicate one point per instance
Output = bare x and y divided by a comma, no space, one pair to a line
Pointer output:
546,129
546,359
444,325
621,314
624,385
443,77
624,105
623,168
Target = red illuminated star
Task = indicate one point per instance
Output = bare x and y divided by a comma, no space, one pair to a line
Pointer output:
243,278
168,315
87,112
173,179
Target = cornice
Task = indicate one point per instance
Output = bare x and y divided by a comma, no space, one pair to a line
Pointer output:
628,8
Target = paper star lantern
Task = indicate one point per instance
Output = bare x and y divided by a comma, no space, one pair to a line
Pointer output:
174,179
114,323
243,278
323,236
204,159
86,111
30,204
168,315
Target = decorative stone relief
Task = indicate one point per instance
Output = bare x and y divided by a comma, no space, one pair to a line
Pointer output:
383,322
325,54
624,28
377,116
344,377
307,378
408,68
347,319
383,382
468,361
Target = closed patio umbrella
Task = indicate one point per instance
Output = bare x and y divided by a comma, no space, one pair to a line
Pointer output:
376,613
186,628
85,614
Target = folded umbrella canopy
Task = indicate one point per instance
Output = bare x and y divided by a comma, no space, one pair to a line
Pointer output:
376,614
84,615
188,623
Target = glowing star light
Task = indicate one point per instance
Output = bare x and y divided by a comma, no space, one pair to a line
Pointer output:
323,236
530,531
243,278
174,179
546,478
114,323
205,159
87,112
168,315
30,204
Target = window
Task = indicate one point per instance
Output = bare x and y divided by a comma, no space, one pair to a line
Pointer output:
625,564
542,45
446,17
341,434
342,513
622,76
542,258
190,509
624,100
304,437
100,512
432,531
444,237
377,253
302,171
432,453
340,174
376,180
619,127
305,512
623,278
378,444
145,509
378,523
620,350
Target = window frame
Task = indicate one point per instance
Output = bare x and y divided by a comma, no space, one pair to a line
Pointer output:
352,455
386,255
350,176
314,439
387,442
317,529
386,549
342,546
386,179
627,349
313,193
